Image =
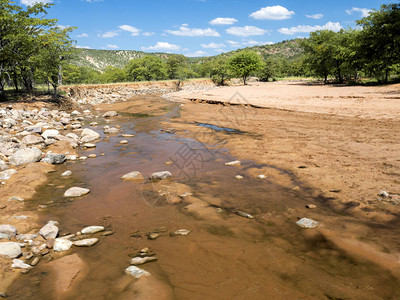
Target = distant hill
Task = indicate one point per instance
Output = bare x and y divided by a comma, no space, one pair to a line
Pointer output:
100,59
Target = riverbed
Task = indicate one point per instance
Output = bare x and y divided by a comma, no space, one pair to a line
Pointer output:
225,255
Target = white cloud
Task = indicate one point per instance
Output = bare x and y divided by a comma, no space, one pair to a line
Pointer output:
223,21
133,30
33,2
91,1
162,46
364,11
307,28
315,16
148,33
233,43
213,45
109,34
111,46
255,43
196,54
83,35
83,47
184,30
63,26
272,13
246,31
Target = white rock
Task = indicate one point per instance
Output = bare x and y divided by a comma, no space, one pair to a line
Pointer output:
239,177
92,229
181,232
123,142
142,260
261,176
50,133
31,139
66,173
49,231
10,249
76,192
110,114
19,264
134,175
136,272
5,175
8,230
71,157
307,223
75,113
62,244
233,163
160,175
25,156
89,135
89,145
86,242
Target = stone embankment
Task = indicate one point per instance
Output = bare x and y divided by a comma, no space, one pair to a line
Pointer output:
111,93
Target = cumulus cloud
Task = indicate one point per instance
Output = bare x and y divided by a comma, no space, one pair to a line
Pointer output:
307,28
233,43
33,2
133,30
82,35
364,11
198,53
83,47
315,16
108,34
213,45
148,33
162,46
246,31
223,21
255,43
111,46
276,12
184,30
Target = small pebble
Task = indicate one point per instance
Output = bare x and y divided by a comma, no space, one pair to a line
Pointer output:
124,142
239,177
311,206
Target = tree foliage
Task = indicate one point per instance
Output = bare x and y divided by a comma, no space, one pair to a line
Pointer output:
32,47
245,63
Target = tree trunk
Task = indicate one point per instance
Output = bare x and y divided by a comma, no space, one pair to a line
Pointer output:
15,80
326,78
3,96
386,75
244,80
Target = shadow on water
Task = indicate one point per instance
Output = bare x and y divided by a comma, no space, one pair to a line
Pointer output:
224,257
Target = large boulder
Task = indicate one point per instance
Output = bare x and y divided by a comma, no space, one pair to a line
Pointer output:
32,139
49,231
76,192
160,175
10,250
50,133
25,156
110,114
8,230
89,135
54,158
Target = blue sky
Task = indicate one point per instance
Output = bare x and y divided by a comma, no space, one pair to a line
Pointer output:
200,27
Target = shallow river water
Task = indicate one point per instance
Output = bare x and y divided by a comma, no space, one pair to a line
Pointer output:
225,256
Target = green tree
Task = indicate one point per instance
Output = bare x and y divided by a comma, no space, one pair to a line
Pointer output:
218,70
380,40
319,51
245,63
176,65
271,68
113,74
154,68
134,70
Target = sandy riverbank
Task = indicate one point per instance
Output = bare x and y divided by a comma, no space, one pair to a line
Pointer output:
342,141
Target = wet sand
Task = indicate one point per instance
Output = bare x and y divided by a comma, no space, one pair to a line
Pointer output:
225,256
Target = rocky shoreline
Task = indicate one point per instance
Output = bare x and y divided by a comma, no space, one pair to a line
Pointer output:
34,138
